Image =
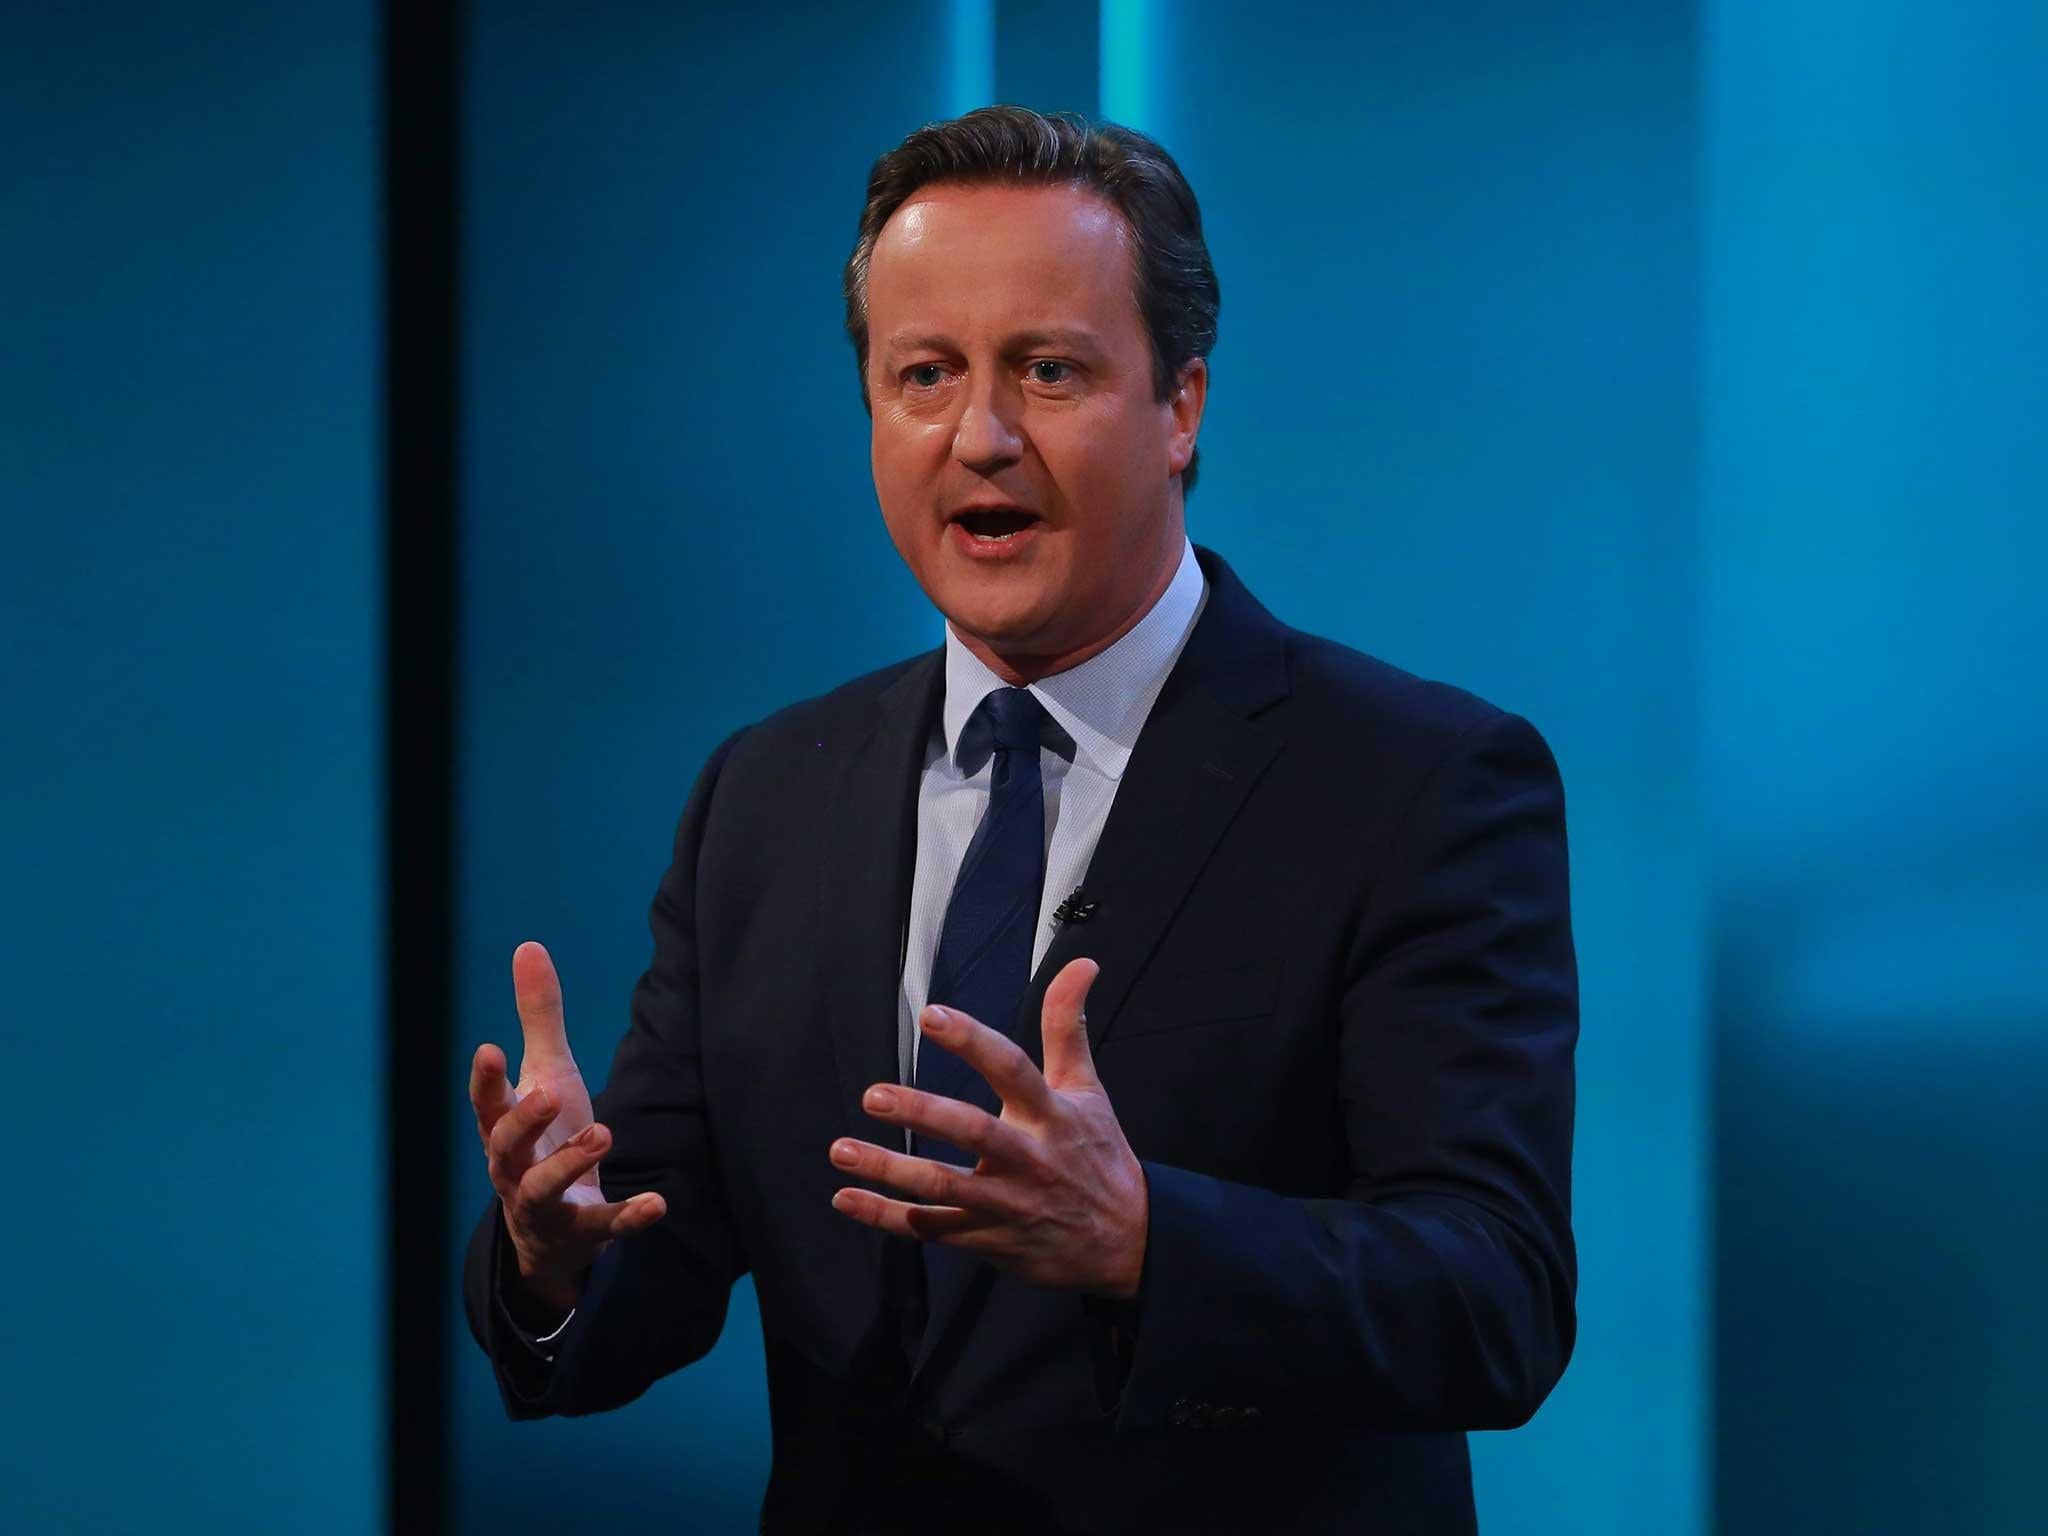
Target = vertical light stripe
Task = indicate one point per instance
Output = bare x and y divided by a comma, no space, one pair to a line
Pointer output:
1129,62
971,77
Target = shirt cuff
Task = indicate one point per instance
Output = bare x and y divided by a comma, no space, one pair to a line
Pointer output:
537,1340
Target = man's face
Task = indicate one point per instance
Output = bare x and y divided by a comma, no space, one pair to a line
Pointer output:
1026,473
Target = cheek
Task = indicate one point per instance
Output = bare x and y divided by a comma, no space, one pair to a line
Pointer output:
1103,472
905,489
889,461
905,450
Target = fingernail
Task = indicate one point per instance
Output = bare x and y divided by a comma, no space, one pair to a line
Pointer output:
936,1019
844,1154
880,1099
541,1101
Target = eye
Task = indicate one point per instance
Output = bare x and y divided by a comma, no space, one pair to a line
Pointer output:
1050,370
924,375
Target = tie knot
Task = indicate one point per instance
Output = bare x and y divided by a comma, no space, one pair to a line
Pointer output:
1015,718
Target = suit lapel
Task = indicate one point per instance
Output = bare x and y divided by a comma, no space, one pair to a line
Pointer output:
864,884
1202,749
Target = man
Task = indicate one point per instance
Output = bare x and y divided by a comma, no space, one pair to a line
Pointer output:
1225,1183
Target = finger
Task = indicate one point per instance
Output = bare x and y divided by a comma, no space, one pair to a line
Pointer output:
969,1127
965,1228
538,992
620,1218
1063,1023
995,1056
490,1095
937,1223
550,1178
512,1138
933,1182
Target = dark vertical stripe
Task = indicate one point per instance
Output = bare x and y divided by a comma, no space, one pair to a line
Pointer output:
420,246
1048,55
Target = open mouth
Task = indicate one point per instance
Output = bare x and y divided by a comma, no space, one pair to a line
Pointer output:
995,525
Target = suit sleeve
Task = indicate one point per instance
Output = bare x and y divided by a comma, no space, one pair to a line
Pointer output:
654,1301
1438,1293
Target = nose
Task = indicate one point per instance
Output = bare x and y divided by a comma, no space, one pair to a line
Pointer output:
987,437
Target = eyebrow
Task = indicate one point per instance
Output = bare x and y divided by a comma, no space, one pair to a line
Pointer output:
1055,336
1060,337
904,341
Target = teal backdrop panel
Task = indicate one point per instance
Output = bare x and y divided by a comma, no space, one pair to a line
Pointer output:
190,790
1047,55
1877,477
1452,422
668,530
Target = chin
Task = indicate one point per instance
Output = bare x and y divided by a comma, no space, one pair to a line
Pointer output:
1005,633
1004,626
987,600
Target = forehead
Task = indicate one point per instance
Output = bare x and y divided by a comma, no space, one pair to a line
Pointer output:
996,255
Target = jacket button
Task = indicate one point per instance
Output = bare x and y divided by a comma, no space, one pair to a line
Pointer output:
1228,1417
1251,1418
1180,1415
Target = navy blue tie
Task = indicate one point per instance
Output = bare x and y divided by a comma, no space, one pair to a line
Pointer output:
982,966
983,963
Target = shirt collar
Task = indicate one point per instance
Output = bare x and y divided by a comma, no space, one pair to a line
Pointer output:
1101,704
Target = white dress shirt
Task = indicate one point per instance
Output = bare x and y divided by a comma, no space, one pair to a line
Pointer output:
1097,709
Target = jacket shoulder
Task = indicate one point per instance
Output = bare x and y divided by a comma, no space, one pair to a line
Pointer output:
1362,702
849,706
1348,700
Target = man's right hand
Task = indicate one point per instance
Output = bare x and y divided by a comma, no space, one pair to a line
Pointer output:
543,1148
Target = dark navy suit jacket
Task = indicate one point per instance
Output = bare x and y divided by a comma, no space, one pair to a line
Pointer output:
1336,1016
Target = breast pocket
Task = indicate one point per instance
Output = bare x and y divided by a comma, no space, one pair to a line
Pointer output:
1197,999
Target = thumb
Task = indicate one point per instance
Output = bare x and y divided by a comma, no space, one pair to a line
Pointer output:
538,993
1063,1027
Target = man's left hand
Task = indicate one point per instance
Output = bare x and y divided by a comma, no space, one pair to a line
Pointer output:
1056,1196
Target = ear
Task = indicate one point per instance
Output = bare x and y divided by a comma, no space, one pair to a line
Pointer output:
1186,407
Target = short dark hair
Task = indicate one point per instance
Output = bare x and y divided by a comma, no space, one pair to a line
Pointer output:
1172,279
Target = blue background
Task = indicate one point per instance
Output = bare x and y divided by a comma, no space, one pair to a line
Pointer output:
1669,374
190,798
